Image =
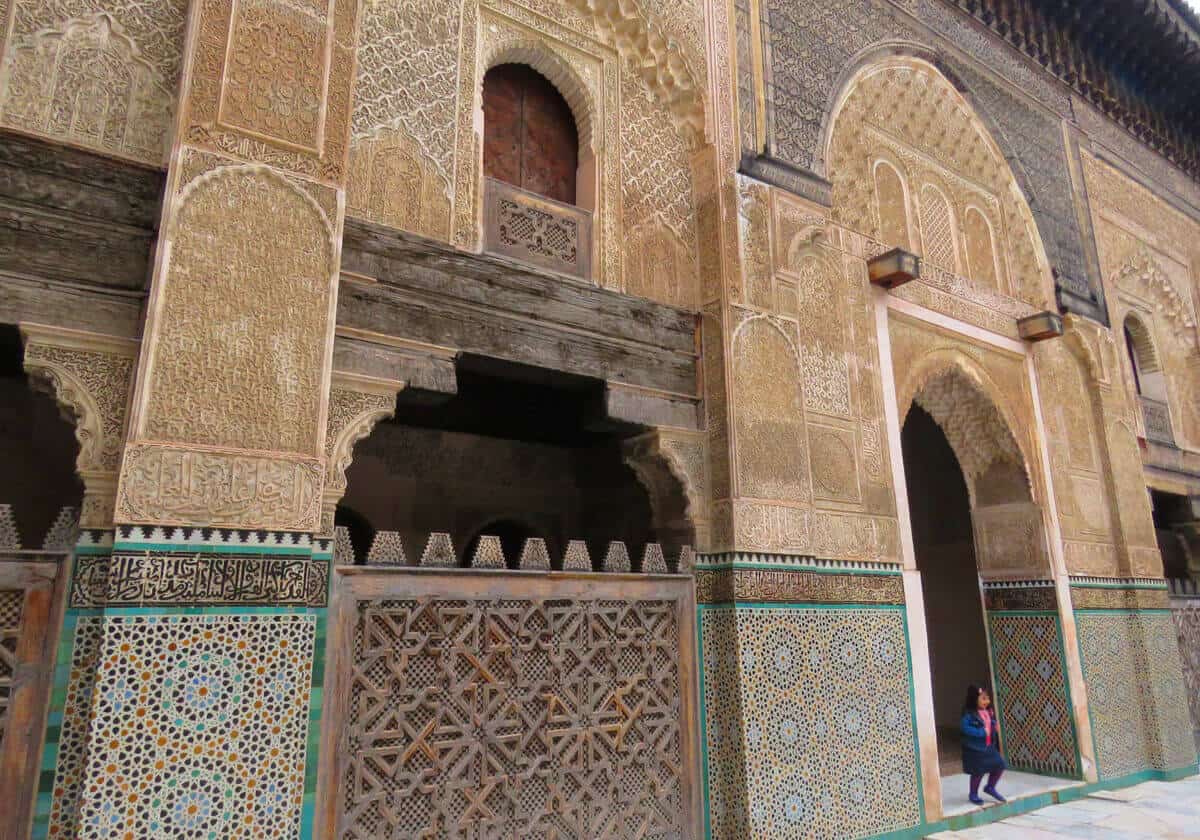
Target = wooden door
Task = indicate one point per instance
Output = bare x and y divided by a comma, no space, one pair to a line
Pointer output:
529,134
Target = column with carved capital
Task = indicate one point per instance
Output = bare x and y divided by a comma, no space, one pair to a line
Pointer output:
190,665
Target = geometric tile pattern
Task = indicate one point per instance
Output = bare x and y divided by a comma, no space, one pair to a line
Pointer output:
821,739
1170,747
81,644
198,727
1107,643
721,700
1136,694
551,718
11,603
1186,612
1032,694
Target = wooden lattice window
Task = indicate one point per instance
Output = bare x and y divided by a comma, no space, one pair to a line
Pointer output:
1143,358
529,134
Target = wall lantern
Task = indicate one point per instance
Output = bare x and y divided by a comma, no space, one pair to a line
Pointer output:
1041,326
895,268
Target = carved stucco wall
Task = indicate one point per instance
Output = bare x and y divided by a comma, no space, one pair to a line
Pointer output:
809,49
1149,256
634,75
103,75
90,376
913,166
228,418
808,469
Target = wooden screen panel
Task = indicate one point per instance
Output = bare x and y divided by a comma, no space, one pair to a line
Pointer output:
31,604
499,705
529,134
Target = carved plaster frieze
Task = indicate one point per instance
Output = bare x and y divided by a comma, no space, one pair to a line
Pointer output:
168,484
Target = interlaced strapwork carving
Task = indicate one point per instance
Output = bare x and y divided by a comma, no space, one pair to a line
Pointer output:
531,228
515,718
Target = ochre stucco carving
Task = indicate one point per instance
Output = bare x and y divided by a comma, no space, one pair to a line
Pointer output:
356,405
1149,253
913,166
237,362
103,76
229,412
414,160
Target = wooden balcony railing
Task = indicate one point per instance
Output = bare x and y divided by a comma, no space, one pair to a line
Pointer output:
536,229
1158,421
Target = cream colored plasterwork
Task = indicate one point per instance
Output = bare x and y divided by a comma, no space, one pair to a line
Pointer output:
238,360
1150,258
103,76
176,485
913,166
229,413
808,447
633,75
672,465
356,405
292,112
90,376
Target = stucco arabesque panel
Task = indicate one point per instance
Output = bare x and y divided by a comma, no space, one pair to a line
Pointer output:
1073,410
1149,260
243,447
831,497
102,76
294,116
903,111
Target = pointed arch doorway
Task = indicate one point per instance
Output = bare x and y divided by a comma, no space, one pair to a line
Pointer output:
978,540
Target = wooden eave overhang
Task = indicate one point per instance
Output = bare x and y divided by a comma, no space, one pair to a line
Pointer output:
1137,61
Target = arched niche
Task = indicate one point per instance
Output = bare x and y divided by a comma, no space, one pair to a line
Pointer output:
891,205
980,247
939,231
903,108
1148,379
508,55
1006,509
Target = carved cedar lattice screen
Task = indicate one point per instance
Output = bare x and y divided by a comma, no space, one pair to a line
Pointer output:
508,705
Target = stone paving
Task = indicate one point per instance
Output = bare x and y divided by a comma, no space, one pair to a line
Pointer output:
1151,809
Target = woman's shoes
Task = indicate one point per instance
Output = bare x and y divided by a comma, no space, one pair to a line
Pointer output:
974,797
992,792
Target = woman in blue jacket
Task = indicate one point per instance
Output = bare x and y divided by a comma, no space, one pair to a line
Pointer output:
980,737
